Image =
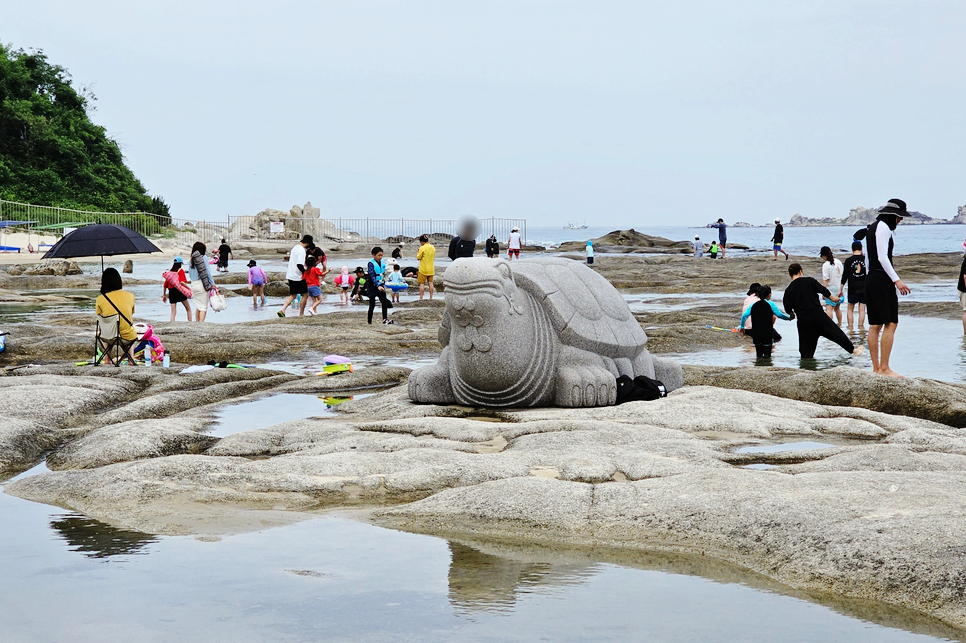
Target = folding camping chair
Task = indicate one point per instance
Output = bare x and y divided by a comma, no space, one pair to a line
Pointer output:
108,340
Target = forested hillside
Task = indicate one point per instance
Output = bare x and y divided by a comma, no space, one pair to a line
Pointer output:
50,151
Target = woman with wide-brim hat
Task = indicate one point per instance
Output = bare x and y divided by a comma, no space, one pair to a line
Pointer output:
883,284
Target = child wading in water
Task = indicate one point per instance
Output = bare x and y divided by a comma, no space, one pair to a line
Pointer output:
176,288
376,287
396,283
256,281
763,314
344,281
313,276
713,250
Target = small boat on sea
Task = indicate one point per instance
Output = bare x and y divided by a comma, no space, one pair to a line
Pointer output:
574,226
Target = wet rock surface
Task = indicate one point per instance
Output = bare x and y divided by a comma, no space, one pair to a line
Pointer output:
875,514
844,386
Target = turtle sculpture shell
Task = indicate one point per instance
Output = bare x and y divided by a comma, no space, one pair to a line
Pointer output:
584,308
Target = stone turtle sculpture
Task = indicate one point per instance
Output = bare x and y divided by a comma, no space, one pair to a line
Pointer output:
544,331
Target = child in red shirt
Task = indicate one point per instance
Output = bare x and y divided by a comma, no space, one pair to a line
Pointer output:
313,276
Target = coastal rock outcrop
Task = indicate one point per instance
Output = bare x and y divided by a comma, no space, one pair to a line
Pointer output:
625,241
862,216
844,386
846,519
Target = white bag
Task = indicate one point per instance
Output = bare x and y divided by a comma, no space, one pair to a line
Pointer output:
217,301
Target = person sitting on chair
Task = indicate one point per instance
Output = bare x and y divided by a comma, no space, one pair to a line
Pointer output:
115,301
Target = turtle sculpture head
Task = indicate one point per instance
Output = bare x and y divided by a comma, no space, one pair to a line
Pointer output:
489,323
546,331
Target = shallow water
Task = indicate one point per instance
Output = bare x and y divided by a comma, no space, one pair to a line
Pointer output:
910,239
68,577
924,347
268,411
783,447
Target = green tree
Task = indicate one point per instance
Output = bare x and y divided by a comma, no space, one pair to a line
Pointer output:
50,151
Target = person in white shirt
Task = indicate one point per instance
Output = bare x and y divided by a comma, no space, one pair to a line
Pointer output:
698,247
832,271
297,285
882,284
514,245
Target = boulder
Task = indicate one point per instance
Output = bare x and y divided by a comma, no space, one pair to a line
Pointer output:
295,212
309,211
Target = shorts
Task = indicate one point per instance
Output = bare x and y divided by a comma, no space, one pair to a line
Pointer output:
257,282
590,261
829,302
223,264
175,296
345,287
315,291
723,243
882,299
297,287
199,295
513,252
777,246
962,300
423,278
857,297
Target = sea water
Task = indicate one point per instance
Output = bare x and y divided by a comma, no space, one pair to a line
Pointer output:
68,577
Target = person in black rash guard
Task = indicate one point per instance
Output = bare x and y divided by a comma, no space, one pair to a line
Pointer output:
855,273
802,298
881,298
460,248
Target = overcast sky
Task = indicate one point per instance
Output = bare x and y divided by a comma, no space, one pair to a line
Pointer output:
614,113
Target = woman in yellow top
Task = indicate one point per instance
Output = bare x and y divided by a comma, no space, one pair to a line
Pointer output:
427,265
115,301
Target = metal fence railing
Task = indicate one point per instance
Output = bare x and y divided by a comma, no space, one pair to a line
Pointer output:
167,231
345,230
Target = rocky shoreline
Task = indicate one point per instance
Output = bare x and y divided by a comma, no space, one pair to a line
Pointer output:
874,515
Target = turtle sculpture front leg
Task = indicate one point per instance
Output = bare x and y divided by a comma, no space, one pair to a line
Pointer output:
582,379
431,384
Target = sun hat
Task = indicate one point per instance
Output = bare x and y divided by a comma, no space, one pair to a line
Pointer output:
178,259
307,240
697,238
778,220
515,230
251,263
895,207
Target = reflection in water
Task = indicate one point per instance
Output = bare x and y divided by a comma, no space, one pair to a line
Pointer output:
483,582
96,539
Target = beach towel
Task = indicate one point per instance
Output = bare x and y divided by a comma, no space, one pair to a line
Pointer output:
172,281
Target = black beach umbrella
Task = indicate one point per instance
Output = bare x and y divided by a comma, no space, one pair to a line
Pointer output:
103,240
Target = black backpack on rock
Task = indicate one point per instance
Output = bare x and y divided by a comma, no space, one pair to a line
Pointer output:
639,389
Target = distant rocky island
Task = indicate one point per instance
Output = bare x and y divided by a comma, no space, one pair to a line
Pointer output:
864,216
